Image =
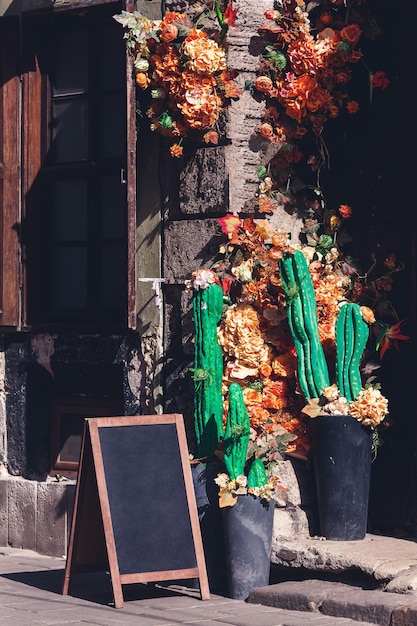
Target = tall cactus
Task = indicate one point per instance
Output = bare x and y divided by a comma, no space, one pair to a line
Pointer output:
208,369
352,334
236,436
313,375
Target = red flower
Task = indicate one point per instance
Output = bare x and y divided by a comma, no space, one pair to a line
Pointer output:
230,225
390,336
226,282
379,80
352,107
345,211
230,13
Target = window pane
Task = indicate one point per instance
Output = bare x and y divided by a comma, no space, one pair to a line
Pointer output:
70,278
70,215
113,215
113,275
112,126
70,137
70,63
111,69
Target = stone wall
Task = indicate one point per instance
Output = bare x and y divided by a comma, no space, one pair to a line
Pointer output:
36,515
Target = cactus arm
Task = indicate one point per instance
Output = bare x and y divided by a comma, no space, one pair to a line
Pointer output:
308,301
208,359
257,476
351,336
295,320
344,349
302,316
361,331
236,437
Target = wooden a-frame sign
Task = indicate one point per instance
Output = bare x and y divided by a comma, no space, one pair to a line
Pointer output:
135,512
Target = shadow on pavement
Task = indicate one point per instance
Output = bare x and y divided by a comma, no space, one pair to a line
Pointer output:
92,586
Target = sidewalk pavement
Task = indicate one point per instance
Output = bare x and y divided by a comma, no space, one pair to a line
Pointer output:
30,595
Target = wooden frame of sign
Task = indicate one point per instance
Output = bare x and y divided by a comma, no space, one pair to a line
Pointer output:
135,511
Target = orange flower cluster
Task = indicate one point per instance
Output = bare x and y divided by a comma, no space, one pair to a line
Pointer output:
311,51
257,345
184,71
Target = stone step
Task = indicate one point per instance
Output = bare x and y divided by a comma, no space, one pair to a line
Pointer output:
339,600
390,562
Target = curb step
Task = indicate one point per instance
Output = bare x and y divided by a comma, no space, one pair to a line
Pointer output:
337,600
299,618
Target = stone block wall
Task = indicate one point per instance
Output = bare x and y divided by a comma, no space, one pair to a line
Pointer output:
36,515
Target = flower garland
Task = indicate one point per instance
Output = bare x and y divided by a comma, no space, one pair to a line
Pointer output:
258,349
182,68
311,52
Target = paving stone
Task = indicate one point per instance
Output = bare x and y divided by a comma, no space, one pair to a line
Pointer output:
30,595
406,616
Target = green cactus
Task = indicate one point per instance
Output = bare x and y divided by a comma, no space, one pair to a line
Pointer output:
313,373
352,334
208,369
257,476
236,437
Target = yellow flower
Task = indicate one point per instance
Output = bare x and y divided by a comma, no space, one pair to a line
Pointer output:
204,56
368,315
370,407
240,336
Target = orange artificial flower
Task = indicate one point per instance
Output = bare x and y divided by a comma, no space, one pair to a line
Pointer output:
142,80
285,365
265,204
271,401
265,370
263,84
266,130
211,137
251,396
167,32
176,150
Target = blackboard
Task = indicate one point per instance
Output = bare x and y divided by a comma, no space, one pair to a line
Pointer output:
135,511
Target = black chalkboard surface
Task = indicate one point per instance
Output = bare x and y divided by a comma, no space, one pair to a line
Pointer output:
135,511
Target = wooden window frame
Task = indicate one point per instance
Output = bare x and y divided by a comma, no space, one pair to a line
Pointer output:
10,199
22,122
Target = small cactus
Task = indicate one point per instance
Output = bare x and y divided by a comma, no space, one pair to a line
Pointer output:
236,437
257,476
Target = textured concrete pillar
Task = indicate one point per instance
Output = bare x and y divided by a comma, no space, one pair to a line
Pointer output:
243,155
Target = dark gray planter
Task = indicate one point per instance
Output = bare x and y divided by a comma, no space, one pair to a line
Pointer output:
342,462
248,538
211,523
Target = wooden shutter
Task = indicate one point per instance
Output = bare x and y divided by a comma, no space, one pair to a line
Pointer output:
10,221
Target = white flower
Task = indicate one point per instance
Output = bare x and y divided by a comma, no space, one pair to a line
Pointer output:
203,278
222,480
241,480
